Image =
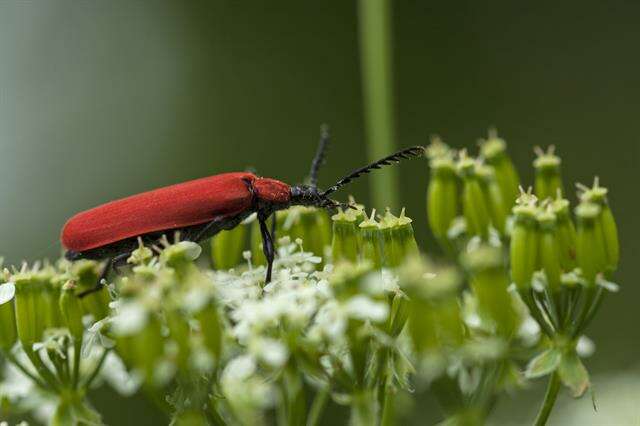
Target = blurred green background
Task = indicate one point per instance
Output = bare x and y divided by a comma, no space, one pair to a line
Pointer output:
100,100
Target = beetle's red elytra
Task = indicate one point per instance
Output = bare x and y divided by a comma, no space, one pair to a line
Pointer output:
199,209
172,207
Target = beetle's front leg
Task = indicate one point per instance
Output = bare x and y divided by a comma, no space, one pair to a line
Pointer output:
267,245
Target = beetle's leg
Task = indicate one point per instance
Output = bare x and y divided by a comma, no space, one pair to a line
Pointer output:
103,276
273,227
267,246
112,263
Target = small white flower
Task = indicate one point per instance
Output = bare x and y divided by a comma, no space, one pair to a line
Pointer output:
130,319
270,351
239,368
115,373
363,308
585,347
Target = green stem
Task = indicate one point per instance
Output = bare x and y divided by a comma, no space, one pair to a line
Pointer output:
377,88
317,407
595,306
77,354
363,409
590,294
47,375
549,400
96,370
25,371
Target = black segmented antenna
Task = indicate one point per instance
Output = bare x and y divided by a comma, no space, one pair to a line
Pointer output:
319,158
414,151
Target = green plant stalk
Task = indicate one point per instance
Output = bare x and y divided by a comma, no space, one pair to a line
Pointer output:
11,358
377,88
317,407
77,349
363,408
87,383
47,375
549,400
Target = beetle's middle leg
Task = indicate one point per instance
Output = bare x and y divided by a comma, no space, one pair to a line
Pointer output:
267,245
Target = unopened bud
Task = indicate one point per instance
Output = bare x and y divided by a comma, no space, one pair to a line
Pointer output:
549,253
494,151
402,233
565,234
371,241
548,182
598,195
85,274
590,249
524,244
442,197
489,281
498,208
474,204
8,332
435,319
344,246
29,306
71,309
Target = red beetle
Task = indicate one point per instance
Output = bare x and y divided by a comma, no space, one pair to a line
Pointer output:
198,209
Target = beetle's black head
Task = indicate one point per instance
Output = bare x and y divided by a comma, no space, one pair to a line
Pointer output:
308,195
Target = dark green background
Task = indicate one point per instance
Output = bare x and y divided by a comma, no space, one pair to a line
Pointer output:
100,100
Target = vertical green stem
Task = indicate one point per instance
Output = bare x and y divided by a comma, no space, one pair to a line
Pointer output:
77,349
549,400
317,407
377,88
363,409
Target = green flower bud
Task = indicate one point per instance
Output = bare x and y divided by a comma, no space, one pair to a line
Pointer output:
442,197
435,319
598,195
311,225
565,234
140,256
549,252
8,331
590,248
474,204
402,234
71,309
53,285
346,279
371,241
344,246
524,243
489,282
494,151
30,304
181,256
391,256
85,275
494,198
227,247
548,182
